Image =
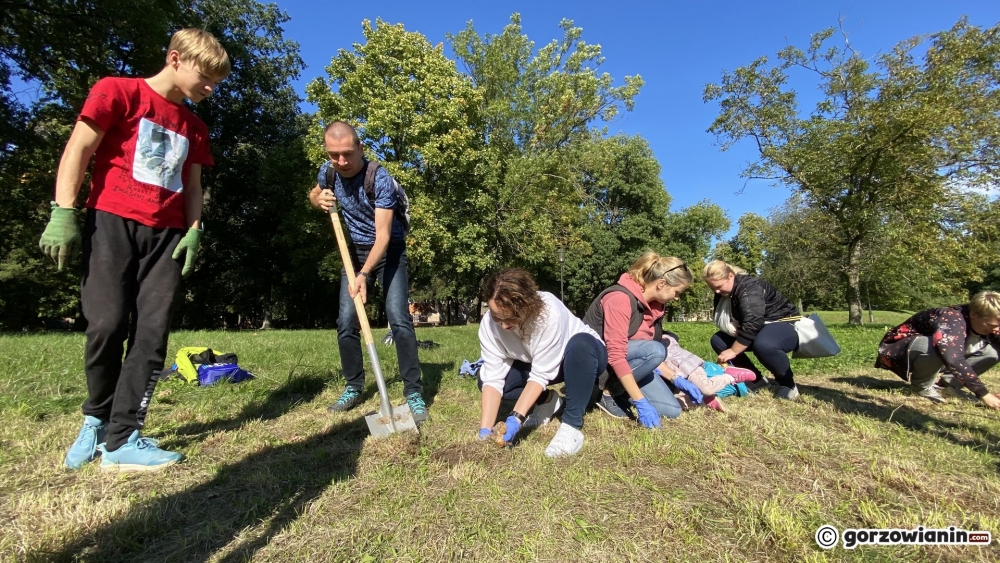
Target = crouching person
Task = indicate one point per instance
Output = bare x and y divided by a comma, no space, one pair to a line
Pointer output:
961,340
530,340
628,315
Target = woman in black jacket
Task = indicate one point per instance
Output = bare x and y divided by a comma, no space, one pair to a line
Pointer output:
754,324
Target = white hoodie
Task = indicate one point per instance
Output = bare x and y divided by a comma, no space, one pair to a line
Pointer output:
542,346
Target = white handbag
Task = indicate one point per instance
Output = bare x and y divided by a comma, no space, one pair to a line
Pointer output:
815,341
723,316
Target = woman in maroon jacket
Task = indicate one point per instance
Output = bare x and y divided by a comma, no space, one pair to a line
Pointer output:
962,339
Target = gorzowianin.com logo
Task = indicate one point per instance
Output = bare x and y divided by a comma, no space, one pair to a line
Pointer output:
827,537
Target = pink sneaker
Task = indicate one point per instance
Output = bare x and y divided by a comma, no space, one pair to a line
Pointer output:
716,404
741,375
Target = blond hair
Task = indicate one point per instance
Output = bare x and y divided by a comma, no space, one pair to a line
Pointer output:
204,49
651,267
985,305
718,269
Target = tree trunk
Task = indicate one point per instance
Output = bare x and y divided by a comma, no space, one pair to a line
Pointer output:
853,271
266,325
801,308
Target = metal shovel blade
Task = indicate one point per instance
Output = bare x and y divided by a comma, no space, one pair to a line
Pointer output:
397,420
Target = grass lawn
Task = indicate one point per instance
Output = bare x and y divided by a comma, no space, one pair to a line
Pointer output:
883,319
270,475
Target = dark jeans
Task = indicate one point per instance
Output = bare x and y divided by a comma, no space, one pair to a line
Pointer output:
771,346
585,357
129,285
391,273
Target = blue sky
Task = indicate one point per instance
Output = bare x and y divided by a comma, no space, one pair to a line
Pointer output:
677,47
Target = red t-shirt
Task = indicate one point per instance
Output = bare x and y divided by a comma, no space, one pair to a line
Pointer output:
144,160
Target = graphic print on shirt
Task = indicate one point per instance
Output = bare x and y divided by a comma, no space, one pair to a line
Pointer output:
159,156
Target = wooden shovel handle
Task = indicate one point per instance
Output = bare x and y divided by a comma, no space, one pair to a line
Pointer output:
345,256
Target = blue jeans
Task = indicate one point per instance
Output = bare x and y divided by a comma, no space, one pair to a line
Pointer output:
392,275
771,346
643,356
585,357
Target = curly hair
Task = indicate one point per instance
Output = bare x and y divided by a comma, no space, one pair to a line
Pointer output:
515,292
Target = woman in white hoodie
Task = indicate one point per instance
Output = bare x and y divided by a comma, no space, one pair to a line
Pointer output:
530,340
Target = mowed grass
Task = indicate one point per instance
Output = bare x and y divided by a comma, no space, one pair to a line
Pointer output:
270,475
881,318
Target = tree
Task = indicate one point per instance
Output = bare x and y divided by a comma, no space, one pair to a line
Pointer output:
885,152
800,258
63,47
262,256
489,158
536,109
746,249
256,252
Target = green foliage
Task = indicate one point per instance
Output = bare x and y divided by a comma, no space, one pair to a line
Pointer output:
258,260
888,154
746,249
263,246
503,163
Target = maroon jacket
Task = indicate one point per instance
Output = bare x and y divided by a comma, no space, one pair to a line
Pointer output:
947,328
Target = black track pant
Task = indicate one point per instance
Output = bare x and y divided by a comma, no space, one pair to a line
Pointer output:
129,285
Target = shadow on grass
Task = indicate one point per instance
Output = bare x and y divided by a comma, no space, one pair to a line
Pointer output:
432,375
296,389
873,383
979,437
273,486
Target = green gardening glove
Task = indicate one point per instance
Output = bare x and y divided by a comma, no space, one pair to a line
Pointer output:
188,248
60,235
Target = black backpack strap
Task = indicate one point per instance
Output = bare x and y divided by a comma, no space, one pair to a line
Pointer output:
331,177
371,168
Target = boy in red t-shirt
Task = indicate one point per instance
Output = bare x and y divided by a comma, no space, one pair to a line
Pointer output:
143,215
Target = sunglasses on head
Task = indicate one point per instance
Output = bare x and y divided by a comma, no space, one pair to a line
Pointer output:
681,265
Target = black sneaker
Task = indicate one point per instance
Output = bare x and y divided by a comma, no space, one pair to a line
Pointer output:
615,406
347,401
541,414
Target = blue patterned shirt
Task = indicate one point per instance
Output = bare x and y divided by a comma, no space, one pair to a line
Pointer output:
356,208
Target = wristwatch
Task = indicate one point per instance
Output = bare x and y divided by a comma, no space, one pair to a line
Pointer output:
363,273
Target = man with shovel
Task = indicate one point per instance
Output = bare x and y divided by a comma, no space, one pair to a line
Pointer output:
377,247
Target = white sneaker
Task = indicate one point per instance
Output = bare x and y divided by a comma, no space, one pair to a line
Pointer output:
567,441
541,414
788,393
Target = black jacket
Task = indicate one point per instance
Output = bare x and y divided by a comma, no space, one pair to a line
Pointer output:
754,302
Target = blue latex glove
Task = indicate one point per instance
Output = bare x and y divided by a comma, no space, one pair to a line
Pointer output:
648,416
513,425
689,388
485,433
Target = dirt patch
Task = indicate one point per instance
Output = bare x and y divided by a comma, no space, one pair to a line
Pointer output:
482,452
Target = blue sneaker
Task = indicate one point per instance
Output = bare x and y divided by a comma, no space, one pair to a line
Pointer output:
137,454
347,401
84,449
417,407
